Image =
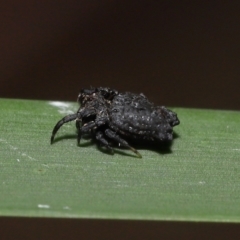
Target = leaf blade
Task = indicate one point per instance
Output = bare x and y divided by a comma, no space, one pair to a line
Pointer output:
198,180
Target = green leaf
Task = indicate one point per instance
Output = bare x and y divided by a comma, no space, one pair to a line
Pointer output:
199,179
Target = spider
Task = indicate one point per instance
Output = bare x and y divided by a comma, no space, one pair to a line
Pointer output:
113,116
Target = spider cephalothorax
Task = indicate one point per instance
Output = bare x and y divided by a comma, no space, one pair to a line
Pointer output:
110,115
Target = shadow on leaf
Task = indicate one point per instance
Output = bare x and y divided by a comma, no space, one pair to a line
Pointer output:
158,147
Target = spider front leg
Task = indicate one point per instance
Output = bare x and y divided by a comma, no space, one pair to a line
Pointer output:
112,135
87,127
64,120
81,124
90,126
79,133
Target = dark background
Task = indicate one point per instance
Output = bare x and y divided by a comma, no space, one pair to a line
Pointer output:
179,53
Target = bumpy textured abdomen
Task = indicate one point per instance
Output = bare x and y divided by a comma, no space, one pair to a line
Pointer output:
134,116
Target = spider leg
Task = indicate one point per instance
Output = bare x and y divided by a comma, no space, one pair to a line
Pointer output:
88,126
117,138
64,120
80,122
79,133
100,137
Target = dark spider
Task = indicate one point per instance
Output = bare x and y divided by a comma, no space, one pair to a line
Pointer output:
110,115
